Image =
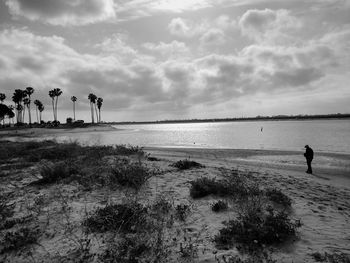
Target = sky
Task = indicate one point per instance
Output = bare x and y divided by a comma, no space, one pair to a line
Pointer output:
179,59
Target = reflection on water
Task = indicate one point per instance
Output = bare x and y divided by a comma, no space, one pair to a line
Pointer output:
321,135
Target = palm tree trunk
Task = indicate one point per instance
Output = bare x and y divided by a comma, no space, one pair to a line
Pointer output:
53,109
74,109
92,113
99,113
96,114
37,116
56,107
24,112
30,117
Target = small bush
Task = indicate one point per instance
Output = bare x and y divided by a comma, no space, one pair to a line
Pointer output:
18,239
257,227
6,210
182,211
153,159
130,174
128,250
205,186
219,206
162,206
55,172
129,150
128,217
332,258
276,195
186,164
254,257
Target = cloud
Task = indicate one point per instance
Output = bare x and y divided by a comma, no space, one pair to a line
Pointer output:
75,12
267,24
179,27
213,37
174,49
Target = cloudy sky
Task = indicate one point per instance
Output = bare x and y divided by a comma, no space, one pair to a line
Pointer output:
179,59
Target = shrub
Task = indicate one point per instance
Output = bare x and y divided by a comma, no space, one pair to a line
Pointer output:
55,172
128,217
182,211
219,206
162,206
129,150
130,174
6,210
276,195
256,227
332,258
129,249
186,164
255,257
205,186
18,239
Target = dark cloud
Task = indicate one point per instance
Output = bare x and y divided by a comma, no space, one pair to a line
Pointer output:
77,12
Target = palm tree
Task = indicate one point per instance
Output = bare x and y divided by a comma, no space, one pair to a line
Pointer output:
2,98
37,103
58,93
41,109
52,96
17,98
92,97
26,103
29,91
99,105
55,93
74,99
11,107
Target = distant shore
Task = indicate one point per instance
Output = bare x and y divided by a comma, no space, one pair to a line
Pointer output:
38,131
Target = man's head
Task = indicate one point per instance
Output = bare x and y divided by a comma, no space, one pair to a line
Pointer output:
307,146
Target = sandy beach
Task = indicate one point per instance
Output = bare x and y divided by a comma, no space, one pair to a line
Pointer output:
320,201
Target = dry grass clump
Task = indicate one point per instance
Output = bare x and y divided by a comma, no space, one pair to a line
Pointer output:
52,173
219,206
6,209
17,239
277,196
331,258
131,174
255,257
233,185
187,164
126,217
209,186
257,225
129,150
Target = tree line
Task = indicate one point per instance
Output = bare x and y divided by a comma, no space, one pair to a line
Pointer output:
22,101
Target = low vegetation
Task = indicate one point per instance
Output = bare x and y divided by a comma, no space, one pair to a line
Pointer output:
130,174
15,240
277,196
187,164
233,185
331,257
127,217
219,206
257,226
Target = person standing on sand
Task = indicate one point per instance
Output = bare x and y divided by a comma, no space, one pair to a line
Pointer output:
309,155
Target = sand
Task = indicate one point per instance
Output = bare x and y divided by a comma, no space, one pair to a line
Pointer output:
321,201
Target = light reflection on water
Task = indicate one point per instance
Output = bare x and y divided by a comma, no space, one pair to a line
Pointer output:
321,135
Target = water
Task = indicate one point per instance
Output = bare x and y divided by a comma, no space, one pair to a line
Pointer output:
322,135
